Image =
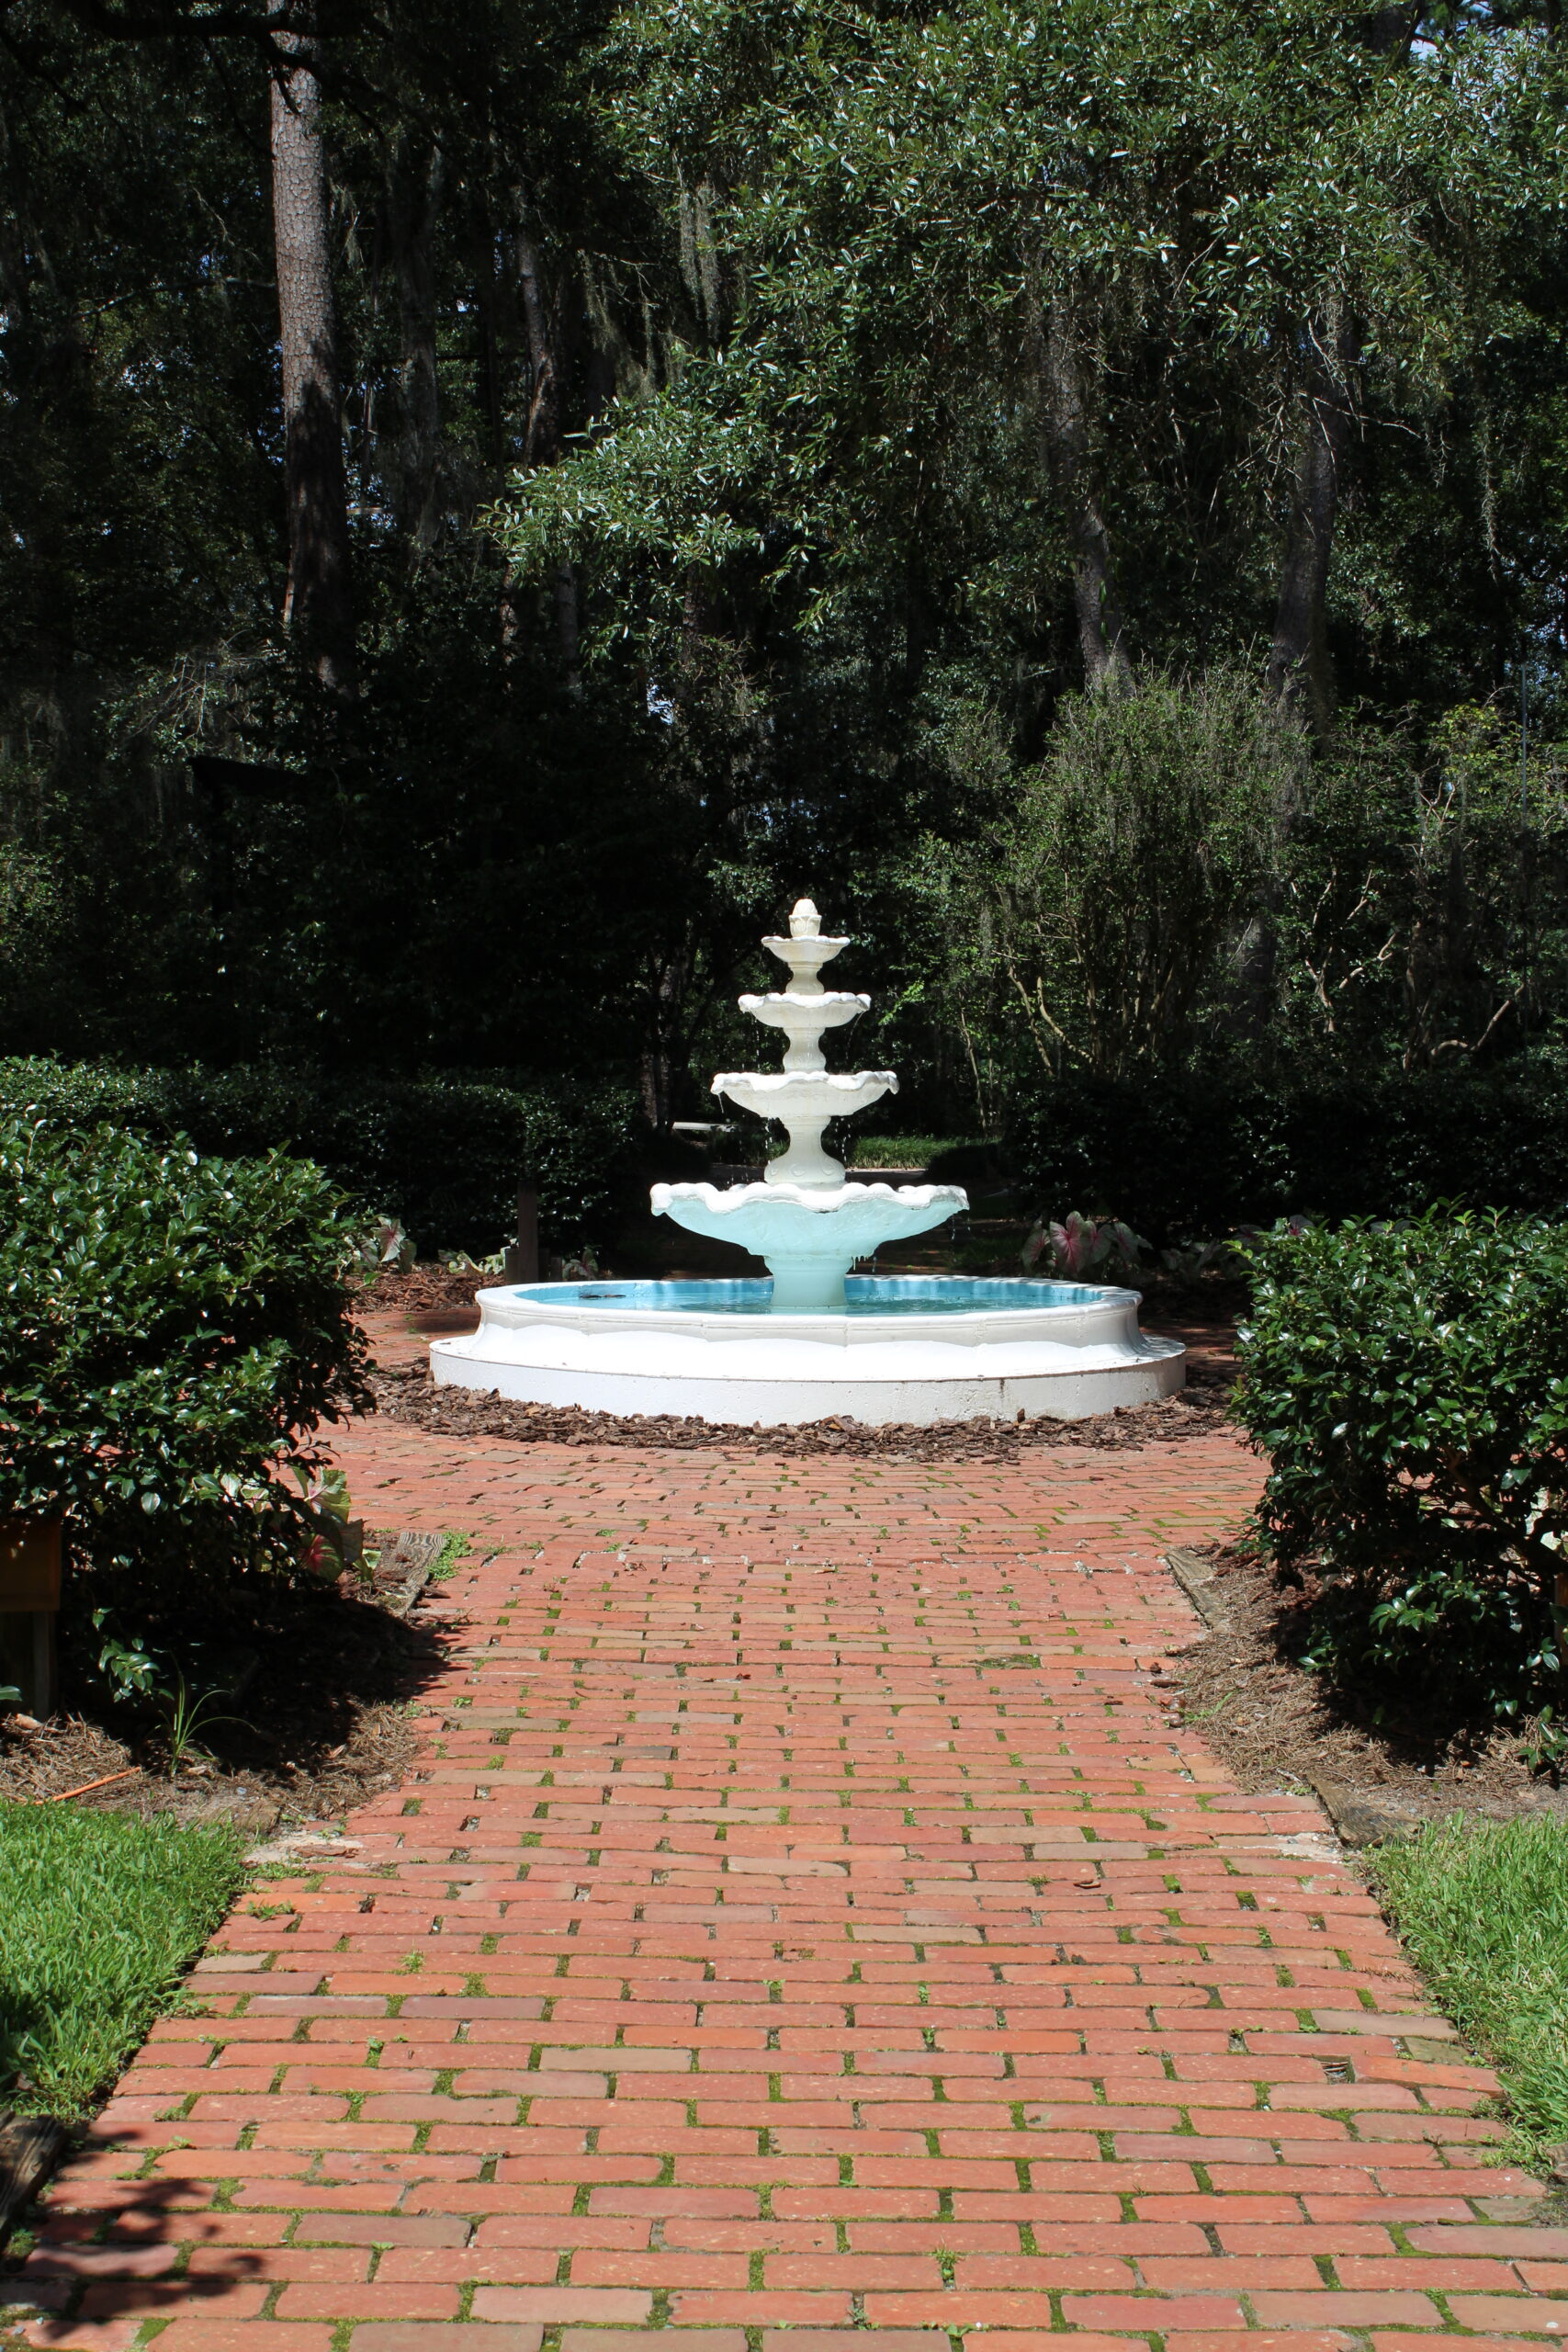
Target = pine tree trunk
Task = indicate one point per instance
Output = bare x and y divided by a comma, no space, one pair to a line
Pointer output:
1301,668
414,201
319,608
543,436
1096,603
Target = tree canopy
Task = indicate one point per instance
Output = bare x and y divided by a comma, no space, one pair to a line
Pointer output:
496,499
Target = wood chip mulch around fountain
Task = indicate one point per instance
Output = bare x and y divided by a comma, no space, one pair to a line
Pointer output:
409,1395
426,1287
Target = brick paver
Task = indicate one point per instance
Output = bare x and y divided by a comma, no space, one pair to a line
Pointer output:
806,1920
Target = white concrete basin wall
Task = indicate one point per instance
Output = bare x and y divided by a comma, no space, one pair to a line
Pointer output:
1062,1361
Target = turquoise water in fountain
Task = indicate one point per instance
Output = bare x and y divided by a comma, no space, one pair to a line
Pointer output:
863,1294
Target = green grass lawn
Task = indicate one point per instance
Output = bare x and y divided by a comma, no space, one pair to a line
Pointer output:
99,1912
898,1151
1483,1907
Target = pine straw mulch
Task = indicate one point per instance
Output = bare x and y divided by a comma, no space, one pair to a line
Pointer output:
328,1686
408,1394
1274,1723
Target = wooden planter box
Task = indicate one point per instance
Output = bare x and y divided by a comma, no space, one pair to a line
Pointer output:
29,1600
29,1563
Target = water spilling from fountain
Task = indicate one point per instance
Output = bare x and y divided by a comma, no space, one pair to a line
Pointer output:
815,1340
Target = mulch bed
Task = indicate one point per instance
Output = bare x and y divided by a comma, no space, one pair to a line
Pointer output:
321,1717
1276,1725
409,1395
426,1287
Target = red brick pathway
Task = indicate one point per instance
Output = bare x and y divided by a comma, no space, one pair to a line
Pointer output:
806,1920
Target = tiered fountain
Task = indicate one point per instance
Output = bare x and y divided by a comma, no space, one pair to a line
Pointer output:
816,1340
804,1220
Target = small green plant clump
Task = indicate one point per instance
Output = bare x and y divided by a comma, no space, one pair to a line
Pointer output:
175,1331
1409,1386
100,1913
1484,1908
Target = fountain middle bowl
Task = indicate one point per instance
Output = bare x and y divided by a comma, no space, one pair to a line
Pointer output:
906,1348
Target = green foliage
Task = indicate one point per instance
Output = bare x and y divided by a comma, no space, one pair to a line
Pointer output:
1190,1154
774,358
187,1715
446,1155
1483,1908
1409,1386
176,1329
102,1913
1132,854
455,1545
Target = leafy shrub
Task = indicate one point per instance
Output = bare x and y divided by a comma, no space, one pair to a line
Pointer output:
443,1154
1410,1387
1128,859
1084,1249
175,1328
1195,1153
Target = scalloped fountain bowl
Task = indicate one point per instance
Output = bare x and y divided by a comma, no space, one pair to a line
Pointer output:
911,1348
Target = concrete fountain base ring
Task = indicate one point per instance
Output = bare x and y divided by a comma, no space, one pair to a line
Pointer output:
911,1349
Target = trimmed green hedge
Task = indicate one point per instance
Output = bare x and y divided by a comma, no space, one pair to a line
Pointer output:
1195,1154
174,1330
446,1155
1409,1384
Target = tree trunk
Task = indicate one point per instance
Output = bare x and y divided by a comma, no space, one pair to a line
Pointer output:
542,434
1105,663
412,202
319,608
1301,670
1389,31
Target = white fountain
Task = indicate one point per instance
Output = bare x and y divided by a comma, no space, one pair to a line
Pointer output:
805,1221
816,1340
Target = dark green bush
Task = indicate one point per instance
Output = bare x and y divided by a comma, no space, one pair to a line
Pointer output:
446,1155
1410,1387
175,1331
1192,1154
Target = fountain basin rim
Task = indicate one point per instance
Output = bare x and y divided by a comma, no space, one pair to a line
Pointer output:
1090,1317
771,1375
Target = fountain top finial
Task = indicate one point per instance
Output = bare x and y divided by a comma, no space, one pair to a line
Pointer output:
805,922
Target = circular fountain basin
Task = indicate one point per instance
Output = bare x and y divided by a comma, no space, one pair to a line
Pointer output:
907,1347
